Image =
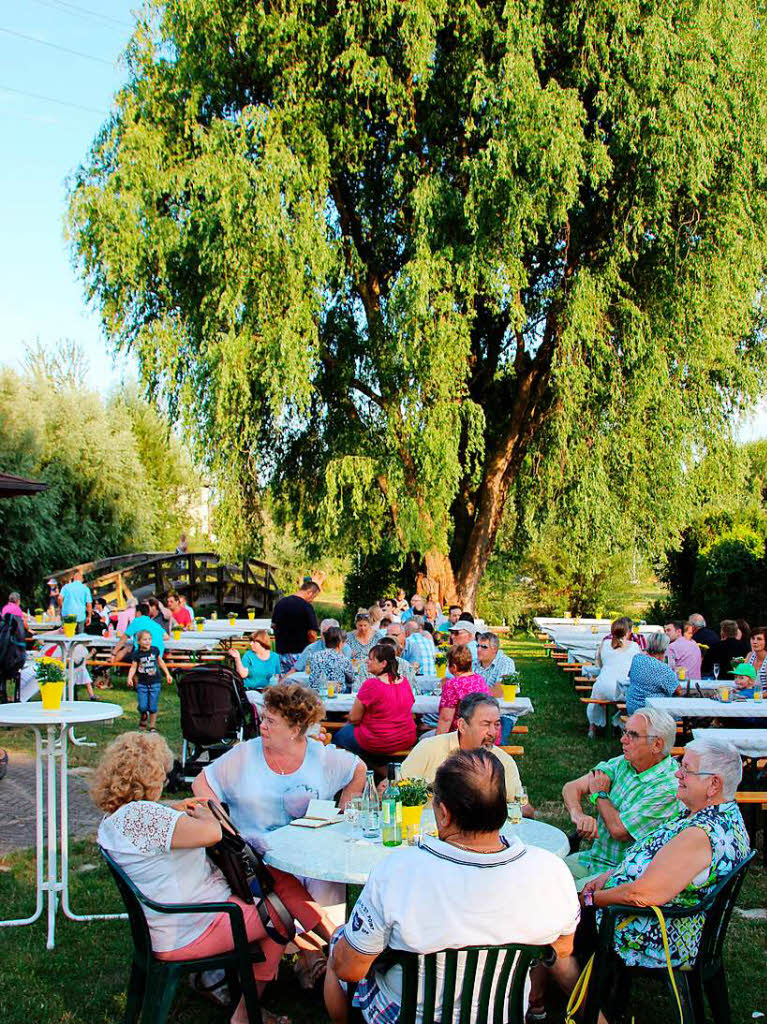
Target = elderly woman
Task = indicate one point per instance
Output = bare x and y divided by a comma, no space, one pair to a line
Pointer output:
677,865
464,680
259,665
360,643
162,850
331,664
649,676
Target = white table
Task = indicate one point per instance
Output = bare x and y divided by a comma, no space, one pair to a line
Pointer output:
50,729
222,628
706,707
332,855
751,743
428,704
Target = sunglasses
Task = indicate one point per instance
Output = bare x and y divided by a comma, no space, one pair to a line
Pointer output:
484,647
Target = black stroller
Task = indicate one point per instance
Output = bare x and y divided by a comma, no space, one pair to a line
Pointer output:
215,714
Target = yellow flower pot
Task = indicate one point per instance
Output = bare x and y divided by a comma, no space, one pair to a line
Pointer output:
199,626
51,694
70,628
251,613
411,816
39,618
176,634
232,620
509,692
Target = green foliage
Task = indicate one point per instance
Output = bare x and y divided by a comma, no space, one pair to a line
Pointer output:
401,261
107,492
372,576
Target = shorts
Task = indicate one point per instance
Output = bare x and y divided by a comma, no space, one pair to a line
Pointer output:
148,695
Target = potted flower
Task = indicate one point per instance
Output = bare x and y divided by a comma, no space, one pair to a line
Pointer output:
199,622
251,613
51,678
70,625
440,660
510,686
232,618
38,614
414,793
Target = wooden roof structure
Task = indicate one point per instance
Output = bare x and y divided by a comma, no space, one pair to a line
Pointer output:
16,486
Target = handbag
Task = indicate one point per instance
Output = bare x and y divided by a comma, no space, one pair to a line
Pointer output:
248,877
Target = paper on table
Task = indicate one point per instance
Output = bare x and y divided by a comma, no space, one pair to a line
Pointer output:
318,814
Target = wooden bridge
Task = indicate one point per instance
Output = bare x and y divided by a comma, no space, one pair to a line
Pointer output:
205,580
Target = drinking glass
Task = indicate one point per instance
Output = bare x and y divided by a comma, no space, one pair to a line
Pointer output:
716,671
353,816
514,812
428,822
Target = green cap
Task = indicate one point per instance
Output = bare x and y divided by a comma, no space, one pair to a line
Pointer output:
745,670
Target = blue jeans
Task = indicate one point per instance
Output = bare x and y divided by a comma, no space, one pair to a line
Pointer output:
148,695
345,739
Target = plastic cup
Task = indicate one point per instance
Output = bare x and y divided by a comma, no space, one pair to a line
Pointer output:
331,689
725,694
757,693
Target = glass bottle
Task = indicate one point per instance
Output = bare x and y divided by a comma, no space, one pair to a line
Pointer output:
371,809
391,809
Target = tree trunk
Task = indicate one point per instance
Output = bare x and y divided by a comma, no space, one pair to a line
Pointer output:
439,581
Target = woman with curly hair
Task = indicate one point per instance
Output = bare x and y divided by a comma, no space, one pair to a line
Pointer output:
161,848
269,781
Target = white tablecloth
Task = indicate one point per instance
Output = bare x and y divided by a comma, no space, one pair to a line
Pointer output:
428,704
696,707
331,854
750,742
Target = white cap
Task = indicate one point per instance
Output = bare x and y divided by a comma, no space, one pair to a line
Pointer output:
463,624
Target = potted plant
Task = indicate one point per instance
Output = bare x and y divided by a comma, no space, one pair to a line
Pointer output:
510,686
199,622
251,613
414,793
232,618
39,614
51,678
70,625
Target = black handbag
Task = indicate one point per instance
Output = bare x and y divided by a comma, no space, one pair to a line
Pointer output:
248,877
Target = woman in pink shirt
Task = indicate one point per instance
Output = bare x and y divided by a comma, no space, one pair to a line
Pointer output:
381,719
14,608
464,681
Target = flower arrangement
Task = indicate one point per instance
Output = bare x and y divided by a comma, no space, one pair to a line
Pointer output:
69,618
414,792
50,670
509,679
199,620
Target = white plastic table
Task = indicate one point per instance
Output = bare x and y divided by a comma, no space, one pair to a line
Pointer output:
751,743
331,854
50,729
706,707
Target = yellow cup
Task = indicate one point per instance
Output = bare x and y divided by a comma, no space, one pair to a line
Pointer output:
331,689
251,613
757,694
51,694
214,615
725,694
510,692
70,628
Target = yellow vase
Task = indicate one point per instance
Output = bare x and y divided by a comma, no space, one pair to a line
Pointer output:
441,669
251,613
411,816
51,694
70,628
232,620
199,626
509,692
176,634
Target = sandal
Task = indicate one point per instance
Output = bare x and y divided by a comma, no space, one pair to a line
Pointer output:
143,720
309,974
214,989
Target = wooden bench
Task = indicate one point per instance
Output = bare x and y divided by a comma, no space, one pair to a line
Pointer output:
754,809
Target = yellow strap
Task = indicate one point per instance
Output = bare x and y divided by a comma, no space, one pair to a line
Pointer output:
578,994
667,951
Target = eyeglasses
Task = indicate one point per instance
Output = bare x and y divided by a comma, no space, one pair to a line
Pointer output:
630,734
684,771
484,647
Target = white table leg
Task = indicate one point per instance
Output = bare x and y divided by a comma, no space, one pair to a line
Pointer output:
52,885
38,836
65,845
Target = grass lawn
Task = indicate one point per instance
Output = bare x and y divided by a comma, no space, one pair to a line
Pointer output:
82,981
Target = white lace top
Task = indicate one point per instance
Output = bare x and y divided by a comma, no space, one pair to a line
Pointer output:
138,836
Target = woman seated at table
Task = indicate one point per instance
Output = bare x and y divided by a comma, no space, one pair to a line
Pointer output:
758,656
677,865
360,643
259,665
381,719
649,676
463,680
331,664
614,657
162,850
269,781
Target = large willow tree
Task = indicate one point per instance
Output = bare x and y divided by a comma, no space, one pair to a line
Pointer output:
402,259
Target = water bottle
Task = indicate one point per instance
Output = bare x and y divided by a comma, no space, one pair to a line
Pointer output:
391,809
371,809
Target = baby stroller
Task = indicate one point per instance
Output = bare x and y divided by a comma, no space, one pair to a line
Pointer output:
215,714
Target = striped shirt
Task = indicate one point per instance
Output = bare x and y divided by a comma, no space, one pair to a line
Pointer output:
420,648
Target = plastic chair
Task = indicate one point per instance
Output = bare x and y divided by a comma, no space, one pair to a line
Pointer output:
153,982
501,975
611,979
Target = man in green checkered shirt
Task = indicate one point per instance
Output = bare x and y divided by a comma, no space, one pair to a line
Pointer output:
627,797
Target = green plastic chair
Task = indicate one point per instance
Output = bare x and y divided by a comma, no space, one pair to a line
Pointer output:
506,967
153,982
610,986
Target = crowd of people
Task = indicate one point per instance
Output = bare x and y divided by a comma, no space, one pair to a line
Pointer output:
637,666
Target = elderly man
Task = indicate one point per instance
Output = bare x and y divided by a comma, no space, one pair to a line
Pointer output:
701,634
628,796
417,607
479,725
522,894
724,650
313,648
419,649
463,632
491,663
682,653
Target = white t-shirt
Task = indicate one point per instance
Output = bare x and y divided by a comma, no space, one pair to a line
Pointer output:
138,837
261,800
616,661
435,896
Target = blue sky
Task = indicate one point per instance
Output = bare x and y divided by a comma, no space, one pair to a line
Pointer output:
52,103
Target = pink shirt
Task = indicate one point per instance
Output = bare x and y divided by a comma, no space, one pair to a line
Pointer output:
14,609
685,654
455,689
388,724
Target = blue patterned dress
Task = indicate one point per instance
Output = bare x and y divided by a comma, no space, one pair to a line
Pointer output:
638,941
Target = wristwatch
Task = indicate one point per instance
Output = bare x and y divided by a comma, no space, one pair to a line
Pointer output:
601,795
588,898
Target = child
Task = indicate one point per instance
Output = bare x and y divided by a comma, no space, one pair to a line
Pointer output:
146,661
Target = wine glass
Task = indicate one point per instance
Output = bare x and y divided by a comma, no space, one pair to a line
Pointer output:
716,671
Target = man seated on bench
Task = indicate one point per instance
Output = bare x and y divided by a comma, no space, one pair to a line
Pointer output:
479,725
629,796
